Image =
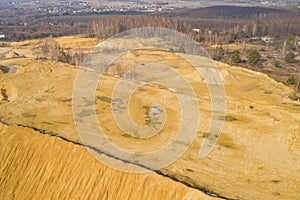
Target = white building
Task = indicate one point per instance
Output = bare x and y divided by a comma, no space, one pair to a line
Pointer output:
2,36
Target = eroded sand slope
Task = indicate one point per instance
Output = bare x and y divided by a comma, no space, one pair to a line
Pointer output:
35,166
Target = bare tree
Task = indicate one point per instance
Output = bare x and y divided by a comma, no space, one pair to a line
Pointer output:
47,49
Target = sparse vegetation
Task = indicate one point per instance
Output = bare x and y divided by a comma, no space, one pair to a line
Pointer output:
47,49
50,49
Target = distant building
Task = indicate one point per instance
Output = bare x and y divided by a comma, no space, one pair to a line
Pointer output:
2,36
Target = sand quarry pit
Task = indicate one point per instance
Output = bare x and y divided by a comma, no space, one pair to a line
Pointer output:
41,155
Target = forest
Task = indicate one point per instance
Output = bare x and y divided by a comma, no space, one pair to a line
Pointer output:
222,20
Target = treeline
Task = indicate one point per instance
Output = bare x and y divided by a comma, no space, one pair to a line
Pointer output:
250,21
216,30
231,12
105,27
277,27
56,26
19,33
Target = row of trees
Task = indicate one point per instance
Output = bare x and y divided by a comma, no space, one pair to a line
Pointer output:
211,31
105,27
253,57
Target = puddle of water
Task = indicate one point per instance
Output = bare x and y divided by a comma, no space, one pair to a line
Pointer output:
117,102
154,111
9,69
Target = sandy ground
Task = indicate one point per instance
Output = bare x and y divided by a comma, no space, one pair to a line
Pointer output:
35,166
257,155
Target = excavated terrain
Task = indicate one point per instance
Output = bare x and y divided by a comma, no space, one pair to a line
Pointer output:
42,157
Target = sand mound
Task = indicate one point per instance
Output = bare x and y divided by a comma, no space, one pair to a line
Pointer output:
72,42
12,54
36,166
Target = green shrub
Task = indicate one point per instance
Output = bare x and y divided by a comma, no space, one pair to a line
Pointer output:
253,57
276,64
171,50
291,80
290,57
181,50
218,53
236,58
